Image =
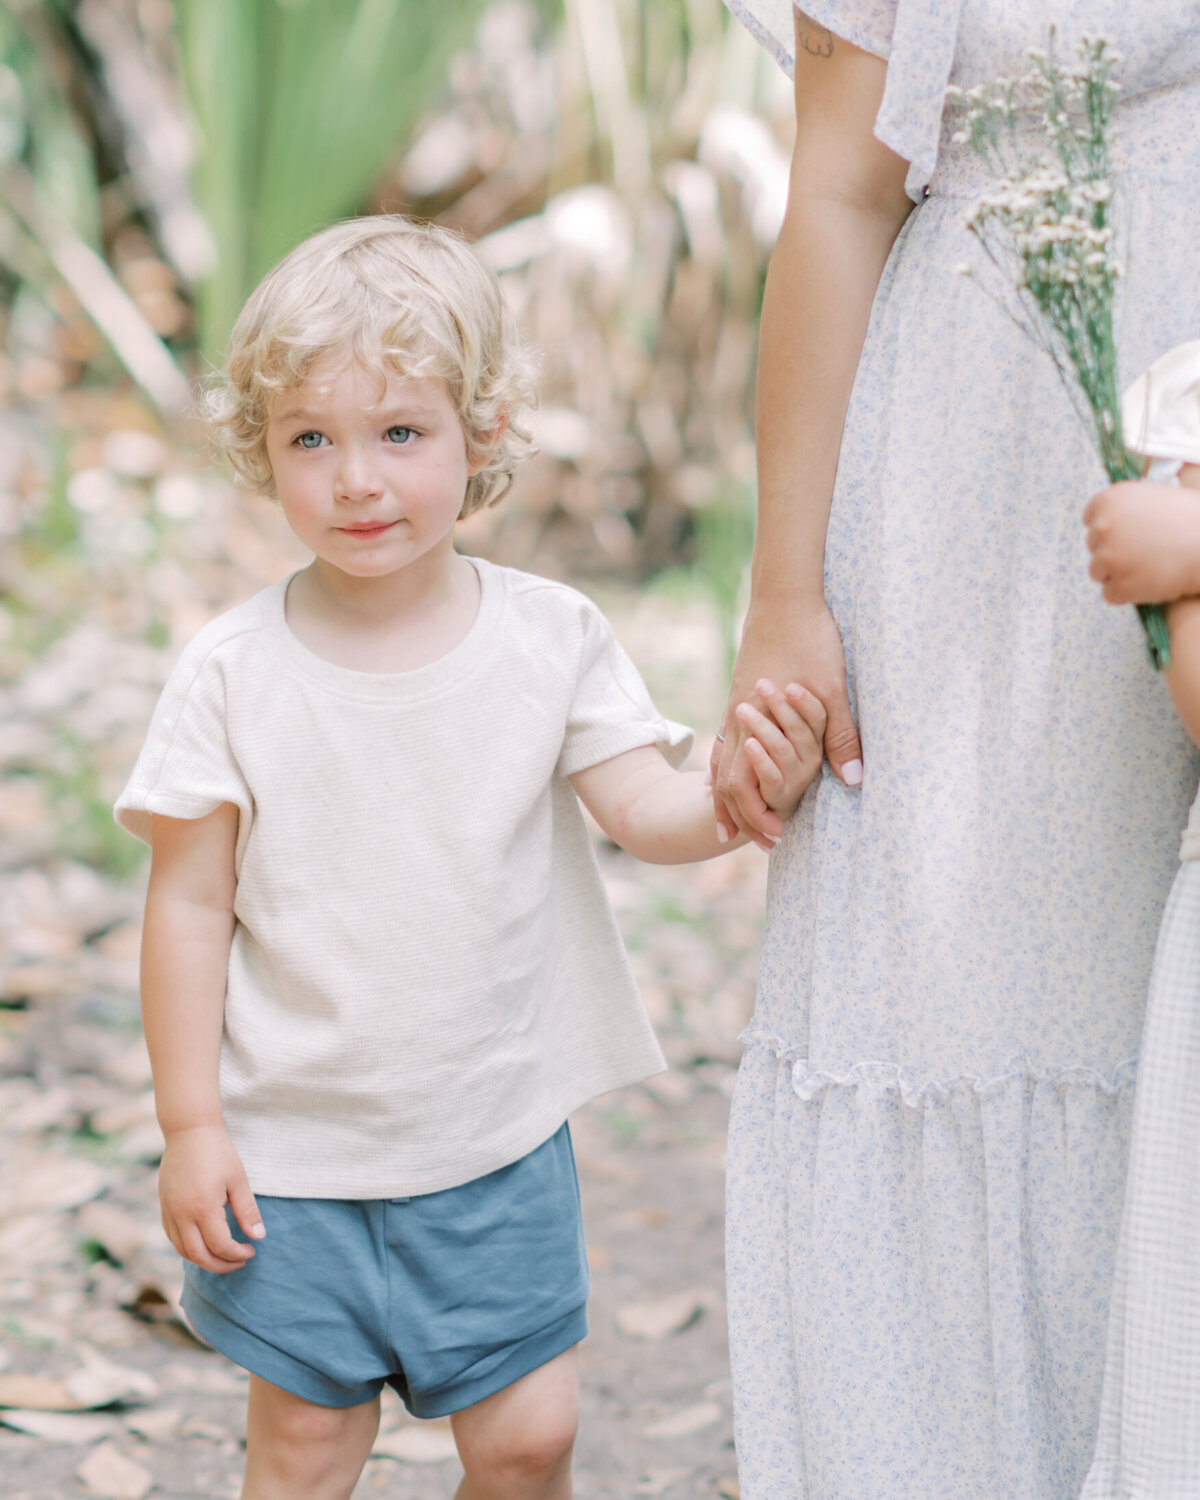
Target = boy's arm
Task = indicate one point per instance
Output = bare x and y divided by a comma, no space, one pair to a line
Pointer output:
185,955
666,817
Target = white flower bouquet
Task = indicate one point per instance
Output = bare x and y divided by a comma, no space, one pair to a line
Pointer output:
1046,229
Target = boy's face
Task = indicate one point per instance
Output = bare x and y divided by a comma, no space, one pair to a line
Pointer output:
371,484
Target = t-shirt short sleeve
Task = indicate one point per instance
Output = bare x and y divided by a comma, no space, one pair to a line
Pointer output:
918,39
187,768
611,711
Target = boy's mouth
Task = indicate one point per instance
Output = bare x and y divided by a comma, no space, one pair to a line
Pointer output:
367,529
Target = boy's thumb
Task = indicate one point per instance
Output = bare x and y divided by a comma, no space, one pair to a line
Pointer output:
843,749
245,1209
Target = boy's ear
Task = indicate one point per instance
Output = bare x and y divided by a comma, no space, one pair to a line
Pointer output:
488,442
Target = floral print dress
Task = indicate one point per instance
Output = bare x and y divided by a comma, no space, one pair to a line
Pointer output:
929,1132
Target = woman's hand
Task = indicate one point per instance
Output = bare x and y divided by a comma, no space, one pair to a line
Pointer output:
1144,538
804,646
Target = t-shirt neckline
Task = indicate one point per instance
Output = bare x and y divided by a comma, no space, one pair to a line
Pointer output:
439,675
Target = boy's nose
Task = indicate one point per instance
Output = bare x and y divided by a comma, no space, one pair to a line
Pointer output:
356,476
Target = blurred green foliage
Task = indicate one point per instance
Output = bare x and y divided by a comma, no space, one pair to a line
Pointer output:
300,104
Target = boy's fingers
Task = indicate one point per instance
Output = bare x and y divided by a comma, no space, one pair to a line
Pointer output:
809,707
245,1209
756,812
770,777
219,1242
770,736
193,1247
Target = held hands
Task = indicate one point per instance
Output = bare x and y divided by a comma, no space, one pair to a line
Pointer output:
200,1173
783,747
782,641
1144,537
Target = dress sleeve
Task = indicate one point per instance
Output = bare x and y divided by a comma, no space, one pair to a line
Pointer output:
1160,412
611,710
187,768
916,37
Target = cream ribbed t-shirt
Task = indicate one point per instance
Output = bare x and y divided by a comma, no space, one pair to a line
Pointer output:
425,976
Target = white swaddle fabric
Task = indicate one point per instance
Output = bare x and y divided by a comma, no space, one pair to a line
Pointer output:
1148,1446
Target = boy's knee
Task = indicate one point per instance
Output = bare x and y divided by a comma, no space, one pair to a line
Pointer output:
523,1454
299,1435
311,1427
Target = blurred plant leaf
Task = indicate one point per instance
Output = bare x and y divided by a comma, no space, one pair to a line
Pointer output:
300,105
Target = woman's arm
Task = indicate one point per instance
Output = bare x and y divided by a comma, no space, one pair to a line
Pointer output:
185,957
846,206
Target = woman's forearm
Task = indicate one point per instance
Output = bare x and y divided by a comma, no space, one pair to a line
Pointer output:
846,205
820,288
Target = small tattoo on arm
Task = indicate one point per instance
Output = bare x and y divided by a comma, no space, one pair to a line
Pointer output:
816,40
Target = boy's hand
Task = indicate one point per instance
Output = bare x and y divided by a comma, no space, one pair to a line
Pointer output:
200,1173
1144,537
786,748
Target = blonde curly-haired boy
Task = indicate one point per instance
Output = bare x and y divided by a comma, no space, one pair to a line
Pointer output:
378,967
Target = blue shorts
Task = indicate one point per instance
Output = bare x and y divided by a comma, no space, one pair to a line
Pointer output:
447,1297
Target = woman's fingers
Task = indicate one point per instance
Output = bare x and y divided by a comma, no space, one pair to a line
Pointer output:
843,749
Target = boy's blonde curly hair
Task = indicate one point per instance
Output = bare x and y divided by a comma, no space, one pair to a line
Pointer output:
390,293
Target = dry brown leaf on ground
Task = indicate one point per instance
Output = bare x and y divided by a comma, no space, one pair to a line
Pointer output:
48,1180
429,1443
61,1426
662,1316
155,1299
109,1473
684,1423
120,1234
36,1393
101,1383
155,1426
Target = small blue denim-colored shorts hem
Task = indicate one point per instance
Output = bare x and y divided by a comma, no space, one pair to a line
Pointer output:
280,1368
447,1297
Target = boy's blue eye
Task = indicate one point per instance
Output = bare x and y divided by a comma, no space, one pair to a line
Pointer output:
309,440
400,435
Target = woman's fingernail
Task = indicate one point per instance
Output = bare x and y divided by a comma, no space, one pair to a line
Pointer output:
722,834
257,1231
852,773
708,777
764,685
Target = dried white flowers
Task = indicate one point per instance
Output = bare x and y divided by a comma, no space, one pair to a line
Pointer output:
1046,228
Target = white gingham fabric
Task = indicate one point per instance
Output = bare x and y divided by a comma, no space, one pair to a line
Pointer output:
1149,1441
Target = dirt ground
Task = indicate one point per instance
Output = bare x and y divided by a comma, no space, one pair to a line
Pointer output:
102,1391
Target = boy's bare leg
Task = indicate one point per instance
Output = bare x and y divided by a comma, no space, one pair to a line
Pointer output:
516,1445
296,1450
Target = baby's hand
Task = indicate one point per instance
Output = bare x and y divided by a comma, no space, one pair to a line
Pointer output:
200,1173
786,745
1144,538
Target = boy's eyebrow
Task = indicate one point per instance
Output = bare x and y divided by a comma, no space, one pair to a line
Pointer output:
401,408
